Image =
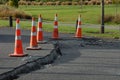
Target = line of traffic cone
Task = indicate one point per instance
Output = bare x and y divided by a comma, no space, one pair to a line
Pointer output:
78,33
55,34
18,50
33,38
40,38
37,35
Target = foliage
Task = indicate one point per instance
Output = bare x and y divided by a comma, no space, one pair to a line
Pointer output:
90,13
116,1
62,2
13,3
6,11
3,1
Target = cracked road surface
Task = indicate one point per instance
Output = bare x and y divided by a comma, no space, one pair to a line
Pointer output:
83,59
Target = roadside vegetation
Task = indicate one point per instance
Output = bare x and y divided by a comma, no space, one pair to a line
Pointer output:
91,14
6,11
67,14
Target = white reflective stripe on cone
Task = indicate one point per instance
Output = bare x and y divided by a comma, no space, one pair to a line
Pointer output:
55,18
39,20
79,19
18,38
55,26
33,33
79,26
17,26
33,23
39,29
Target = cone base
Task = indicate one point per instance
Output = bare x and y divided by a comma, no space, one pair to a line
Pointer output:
33,48
18,55
41,42
78,36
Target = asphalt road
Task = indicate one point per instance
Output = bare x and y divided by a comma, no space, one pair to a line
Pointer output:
83,59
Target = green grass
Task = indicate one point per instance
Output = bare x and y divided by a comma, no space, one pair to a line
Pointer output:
90,14
4,23
86,31
95,32
69,14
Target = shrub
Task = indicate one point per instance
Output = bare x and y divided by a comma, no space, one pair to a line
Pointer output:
10,3
57,3
94,2
6,11
40,3
20,14
13,3
33,3
50,3
90,3
74,3
86,2
3,1
22,3
28,3
98,3
67,3
63,3
80,2
108,18
117,19
109,2
111,18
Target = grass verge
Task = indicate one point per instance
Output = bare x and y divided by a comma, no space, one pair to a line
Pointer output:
87,31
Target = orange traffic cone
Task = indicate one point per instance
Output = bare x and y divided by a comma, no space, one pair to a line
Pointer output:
39,31
18,50
55,31
79,29
33,39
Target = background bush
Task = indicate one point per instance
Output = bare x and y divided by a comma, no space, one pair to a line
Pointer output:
65,2
86,2
13,3
111,18
6,11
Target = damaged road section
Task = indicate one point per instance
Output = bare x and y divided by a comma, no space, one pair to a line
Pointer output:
32,65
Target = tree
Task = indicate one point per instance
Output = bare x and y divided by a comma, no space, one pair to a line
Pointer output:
14,3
